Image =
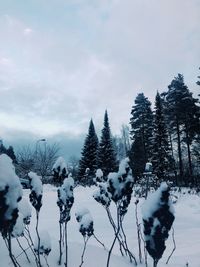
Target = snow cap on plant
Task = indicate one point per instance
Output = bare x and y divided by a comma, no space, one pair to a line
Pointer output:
10,195
99,176
36,190
25,210
85,220
18,229
102,195
120,183
60,168
158,217
45,243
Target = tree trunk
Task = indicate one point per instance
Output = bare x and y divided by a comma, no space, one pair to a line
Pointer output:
179,151
188,150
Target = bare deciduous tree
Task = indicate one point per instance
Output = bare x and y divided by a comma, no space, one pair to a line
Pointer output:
39,159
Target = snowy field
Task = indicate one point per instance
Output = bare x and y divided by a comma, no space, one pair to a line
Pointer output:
186,225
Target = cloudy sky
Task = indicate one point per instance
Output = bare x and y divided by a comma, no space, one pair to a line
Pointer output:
65,61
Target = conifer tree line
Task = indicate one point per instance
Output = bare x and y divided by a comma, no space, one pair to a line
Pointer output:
167,135
97,154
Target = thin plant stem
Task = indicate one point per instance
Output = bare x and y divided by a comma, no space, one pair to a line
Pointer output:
45,257
24,251
174,248
66,247
145,250
113,243
60,244
30,246
138,233
12,257
121,245
84,248
131,256
38,236
155,262
99,241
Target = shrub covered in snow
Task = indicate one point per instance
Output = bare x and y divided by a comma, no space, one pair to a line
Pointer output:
65,202
60,171
86,228
158,217
102,195
65,199
36,200
120,186
10,195
98,176
36,190
85,220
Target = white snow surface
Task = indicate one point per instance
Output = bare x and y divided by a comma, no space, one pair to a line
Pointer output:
186,226
9,178
60,162
36,183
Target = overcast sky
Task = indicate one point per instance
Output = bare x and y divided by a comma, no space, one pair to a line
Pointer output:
65,61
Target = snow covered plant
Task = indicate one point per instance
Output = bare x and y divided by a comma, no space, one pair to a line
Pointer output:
65,202
10,195
60,171
118,188
25,210
44,248
158,217
36,201
86,228
98,176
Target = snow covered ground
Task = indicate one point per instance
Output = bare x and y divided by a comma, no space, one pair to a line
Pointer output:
186,225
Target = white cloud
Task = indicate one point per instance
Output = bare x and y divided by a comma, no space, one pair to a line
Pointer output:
27,31
97,55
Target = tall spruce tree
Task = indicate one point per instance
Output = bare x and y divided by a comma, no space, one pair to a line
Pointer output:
161,158
183,118
137,157
141,133
88,161
106,155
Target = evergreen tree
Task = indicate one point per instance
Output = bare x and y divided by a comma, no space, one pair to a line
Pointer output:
106,156
183,117
137,157
141,131
88,161
161,153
